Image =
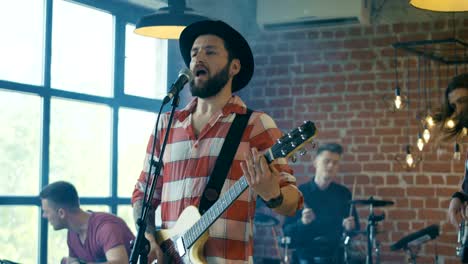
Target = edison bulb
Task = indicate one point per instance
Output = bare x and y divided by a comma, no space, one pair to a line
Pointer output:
426,135
450,123
420,143
397,102
409,159
430,121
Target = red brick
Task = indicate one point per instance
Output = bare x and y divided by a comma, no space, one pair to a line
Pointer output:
336,56
356,44
422,180
363,55
308,57
290,36
421,191
432,214
282,59
400,214
398,28
390,191
316,68
415,204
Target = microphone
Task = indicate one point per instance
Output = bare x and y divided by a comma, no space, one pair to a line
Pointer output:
185,76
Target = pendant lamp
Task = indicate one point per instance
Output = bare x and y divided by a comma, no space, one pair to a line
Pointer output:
441,5
167,22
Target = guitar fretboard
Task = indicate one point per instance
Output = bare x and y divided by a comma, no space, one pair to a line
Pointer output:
215,211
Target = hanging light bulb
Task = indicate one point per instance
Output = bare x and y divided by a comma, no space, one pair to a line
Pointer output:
426,134
420,142
409,158
450,123
464,131
429,120
397,100
456,153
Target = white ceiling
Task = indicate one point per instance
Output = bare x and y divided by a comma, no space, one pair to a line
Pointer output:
384,11
152,4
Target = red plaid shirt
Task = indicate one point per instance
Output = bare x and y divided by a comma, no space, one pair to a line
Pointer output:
188,163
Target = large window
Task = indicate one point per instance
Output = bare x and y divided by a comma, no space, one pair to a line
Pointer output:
78,92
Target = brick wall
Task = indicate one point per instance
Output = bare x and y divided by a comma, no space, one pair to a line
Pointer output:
336,77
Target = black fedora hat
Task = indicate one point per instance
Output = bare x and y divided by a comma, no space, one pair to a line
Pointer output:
237,43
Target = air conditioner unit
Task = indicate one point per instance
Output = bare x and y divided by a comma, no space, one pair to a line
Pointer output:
273,14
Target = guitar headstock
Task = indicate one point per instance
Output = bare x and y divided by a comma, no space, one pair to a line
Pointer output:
291,142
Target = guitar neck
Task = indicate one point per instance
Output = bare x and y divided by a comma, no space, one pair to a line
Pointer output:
215,211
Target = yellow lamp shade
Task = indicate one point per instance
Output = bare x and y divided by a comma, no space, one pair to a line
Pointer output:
441,5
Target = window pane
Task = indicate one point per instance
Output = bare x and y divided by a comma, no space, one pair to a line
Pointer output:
21,48
57,240
19,233
126,213
134,131
56,245
19,143
95,208
145,65
80,146
82,55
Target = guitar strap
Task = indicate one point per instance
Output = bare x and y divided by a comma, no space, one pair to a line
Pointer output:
224,161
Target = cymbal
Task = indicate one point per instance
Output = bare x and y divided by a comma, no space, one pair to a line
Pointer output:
262,219
372,201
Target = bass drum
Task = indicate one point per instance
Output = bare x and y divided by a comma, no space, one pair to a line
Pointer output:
355,249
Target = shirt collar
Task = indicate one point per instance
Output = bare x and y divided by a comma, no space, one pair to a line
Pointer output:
234,105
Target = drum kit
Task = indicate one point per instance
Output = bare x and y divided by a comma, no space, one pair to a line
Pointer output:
373,245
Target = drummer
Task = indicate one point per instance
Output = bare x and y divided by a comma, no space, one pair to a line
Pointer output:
316,231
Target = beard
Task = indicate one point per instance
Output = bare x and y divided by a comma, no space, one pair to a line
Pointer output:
212,86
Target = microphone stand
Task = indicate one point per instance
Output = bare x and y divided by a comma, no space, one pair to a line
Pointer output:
371,235
140,247
412,253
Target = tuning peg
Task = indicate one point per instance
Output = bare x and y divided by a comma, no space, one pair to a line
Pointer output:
302,151
279,141
293,145
283,152
293,158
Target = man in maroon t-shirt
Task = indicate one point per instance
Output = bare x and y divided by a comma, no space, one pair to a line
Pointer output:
92,237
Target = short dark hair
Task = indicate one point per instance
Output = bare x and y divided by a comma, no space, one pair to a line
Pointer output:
61,193
332,147
230,51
